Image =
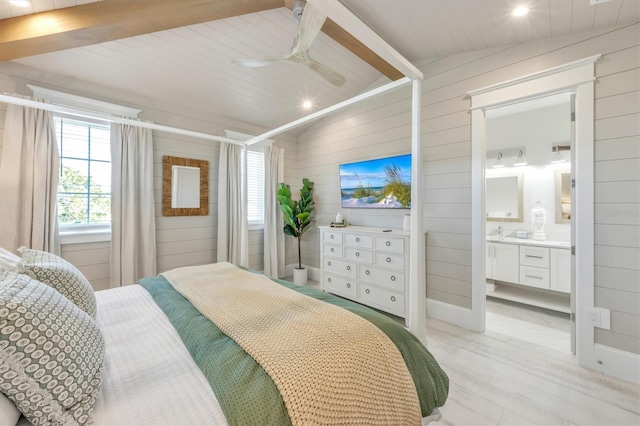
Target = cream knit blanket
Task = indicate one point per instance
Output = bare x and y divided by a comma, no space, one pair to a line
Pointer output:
331,366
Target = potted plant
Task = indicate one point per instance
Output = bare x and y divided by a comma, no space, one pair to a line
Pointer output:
297,219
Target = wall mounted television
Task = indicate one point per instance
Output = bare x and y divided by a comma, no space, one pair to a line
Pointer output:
383,183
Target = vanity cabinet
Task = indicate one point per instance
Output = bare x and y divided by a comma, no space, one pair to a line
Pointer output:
536,273
502,262
366,265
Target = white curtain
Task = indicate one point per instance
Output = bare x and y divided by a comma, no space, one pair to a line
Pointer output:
232,218
29,168
273,222
133,223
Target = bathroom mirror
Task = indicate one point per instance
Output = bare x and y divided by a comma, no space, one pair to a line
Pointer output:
503,198
185,187
562,180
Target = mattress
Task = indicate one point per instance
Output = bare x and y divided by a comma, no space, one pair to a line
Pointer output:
150,378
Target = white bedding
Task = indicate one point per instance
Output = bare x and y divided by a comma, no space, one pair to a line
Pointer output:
150,378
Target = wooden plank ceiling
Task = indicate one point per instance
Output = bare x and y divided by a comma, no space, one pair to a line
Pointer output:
98,22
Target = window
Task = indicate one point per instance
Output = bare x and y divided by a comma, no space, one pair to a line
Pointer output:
255,188
84,187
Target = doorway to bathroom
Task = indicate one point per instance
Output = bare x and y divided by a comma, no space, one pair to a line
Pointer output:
528,220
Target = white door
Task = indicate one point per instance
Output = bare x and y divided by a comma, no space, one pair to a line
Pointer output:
488,268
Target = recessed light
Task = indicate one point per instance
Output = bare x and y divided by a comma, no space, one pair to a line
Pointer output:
521,11
19,3
307,104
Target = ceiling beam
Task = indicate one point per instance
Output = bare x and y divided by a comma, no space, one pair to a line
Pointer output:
356,47
112,20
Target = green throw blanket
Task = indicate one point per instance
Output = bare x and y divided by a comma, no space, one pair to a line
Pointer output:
245,392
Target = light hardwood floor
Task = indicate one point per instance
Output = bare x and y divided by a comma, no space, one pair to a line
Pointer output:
499,378
496,379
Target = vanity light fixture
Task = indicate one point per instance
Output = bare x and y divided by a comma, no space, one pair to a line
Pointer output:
499,162
557,157
521,160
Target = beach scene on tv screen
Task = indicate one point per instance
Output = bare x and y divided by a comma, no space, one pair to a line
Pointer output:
380,183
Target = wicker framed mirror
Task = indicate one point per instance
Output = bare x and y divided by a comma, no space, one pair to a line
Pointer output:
185,186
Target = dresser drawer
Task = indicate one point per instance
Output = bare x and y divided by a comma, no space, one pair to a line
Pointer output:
392,244
395,261
534,277
332,250
341,267
384,277
358,254
340,285
359,240
534,256
332,237
382,298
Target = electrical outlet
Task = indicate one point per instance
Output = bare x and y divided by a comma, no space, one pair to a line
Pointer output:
597,2
600,317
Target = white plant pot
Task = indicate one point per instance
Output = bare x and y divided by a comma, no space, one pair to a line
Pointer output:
300,276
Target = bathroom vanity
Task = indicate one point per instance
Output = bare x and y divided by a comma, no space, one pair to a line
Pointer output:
533,272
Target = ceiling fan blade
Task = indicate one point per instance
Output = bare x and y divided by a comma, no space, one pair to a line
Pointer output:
327,73
255,63
309,28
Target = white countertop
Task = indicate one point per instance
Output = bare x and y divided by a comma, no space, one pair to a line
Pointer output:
529,242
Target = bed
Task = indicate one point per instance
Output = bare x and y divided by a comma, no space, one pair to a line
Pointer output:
167,363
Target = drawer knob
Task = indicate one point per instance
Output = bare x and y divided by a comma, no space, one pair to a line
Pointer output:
328,280
332,250
331,236
388,243
348,285
393,277
367,291
388,260
367,272
348,268
328,263
357,254
393,298
358,240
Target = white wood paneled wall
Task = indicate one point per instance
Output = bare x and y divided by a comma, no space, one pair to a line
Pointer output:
381,127
181,241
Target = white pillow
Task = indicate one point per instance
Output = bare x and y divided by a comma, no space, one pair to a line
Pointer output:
8,261
9,414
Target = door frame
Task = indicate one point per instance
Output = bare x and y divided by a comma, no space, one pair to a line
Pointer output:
577,78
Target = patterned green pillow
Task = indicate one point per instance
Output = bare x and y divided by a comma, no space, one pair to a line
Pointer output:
51,353
59,274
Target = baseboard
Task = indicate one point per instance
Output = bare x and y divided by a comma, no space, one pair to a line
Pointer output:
313,274
616,363
455,315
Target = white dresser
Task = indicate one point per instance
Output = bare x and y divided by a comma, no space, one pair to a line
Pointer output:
367,265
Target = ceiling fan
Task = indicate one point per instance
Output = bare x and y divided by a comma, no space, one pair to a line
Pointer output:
310,23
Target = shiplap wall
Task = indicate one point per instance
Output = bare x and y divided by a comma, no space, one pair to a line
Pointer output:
381,127
181,241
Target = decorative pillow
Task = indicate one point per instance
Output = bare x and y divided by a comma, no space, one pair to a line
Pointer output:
8,261
59,274
51,353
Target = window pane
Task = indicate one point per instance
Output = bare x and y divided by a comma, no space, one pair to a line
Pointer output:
100,143
84,190
72,208
74,141
100,177
100,208
73,176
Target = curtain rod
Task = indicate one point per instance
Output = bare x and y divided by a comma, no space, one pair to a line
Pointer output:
112,118
299,122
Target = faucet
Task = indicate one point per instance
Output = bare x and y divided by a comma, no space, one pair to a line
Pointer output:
500,232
